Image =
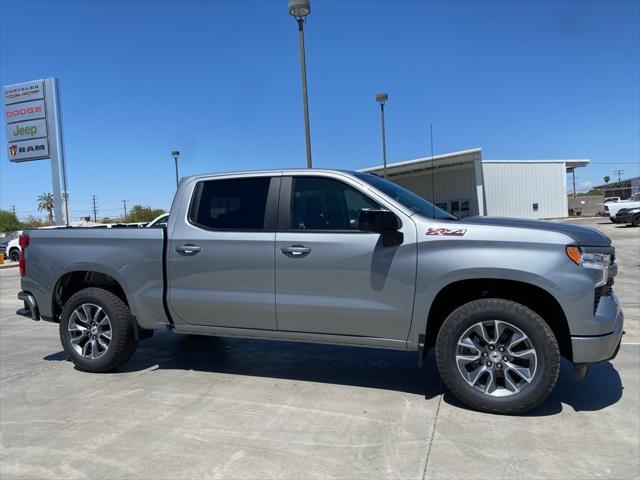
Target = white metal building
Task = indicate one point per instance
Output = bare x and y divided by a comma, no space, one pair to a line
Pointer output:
465,184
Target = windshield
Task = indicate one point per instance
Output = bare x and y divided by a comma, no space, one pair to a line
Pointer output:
409,199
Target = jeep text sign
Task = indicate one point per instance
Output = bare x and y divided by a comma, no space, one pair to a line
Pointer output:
26,130
28,150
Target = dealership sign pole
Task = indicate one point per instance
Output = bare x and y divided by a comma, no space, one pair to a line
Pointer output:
34,132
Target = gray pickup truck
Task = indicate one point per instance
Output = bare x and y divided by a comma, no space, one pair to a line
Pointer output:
342,258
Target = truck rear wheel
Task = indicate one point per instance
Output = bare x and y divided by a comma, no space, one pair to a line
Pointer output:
497,356
96,330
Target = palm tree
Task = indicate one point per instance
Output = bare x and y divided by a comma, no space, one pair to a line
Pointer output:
606,179
45,202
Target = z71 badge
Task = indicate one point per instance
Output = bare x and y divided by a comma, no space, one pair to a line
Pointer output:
451,232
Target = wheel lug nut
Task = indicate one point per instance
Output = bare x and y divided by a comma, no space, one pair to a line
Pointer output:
484,354
499,365
501,349
491,347
488,364
505,358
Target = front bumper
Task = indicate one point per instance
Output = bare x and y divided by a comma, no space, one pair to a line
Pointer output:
599,348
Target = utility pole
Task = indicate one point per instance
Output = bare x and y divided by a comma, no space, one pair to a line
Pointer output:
573,174
125,210
13,209
95,208
619,173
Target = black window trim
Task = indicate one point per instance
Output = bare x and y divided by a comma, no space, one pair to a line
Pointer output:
271,208
286,202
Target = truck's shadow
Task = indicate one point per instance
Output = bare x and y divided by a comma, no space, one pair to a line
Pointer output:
360,367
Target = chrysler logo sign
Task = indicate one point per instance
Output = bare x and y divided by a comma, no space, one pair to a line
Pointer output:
23,92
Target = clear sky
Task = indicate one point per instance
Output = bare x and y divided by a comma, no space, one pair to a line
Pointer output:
220,81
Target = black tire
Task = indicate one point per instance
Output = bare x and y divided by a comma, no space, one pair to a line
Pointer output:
635,220
123,343
14,255
540,335
613,220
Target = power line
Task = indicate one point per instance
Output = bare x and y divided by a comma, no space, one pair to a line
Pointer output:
619,173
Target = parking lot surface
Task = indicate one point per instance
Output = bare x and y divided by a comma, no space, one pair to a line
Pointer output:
207,407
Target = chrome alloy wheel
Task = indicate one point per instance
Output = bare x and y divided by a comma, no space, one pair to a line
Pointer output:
90,331
496,358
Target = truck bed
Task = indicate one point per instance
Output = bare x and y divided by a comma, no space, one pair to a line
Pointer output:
132,257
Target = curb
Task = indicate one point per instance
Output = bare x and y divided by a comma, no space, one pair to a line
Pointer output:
8,265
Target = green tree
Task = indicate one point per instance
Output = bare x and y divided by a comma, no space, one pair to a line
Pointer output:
45,202
33,222
138,214
9,222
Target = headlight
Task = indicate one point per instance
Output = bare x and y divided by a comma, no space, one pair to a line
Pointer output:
596,261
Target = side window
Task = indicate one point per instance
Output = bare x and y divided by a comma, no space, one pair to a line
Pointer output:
234,204
326,204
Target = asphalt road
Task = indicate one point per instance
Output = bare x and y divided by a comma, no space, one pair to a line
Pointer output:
203,407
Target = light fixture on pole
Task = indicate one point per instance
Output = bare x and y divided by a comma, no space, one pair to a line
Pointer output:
300,9
382,98
175,154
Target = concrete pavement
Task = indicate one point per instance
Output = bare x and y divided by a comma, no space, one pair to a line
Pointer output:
187,407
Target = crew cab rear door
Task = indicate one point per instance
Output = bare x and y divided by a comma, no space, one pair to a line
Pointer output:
332,278
221,254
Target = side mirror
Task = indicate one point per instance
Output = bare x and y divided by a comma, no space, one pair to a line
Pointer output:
379,221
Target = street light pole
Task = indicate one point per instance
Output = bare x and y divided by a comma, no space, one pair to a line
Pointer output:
175,154
382,98
300,9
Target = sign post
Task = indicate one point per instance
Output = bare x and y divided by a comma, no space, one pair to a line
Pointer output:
34,132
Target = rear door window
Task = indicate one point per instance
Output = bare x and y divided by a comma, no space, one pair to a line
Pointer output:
233,204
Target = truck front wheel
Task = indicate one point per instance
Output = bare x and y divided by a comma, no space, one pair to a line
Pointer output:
497,356
96,330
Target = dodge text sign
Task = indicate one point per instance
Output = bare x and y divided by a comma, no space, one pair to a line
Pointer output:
24,111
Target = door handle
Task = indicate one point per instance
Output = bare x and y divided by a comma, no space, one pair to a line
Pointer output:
188,249
295,251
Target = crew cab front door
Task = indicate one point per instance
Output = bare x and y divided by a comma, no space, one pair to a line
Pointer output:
332,278
221,254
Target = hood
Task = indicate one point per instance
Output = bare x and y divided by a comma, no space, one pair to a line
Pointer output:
583,235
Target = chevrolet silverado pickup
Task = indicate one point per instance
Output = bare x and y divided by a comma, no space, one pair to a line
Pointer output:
341,258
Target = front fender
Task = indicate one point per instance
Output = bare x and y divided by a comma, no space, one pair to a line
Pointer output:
443,262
